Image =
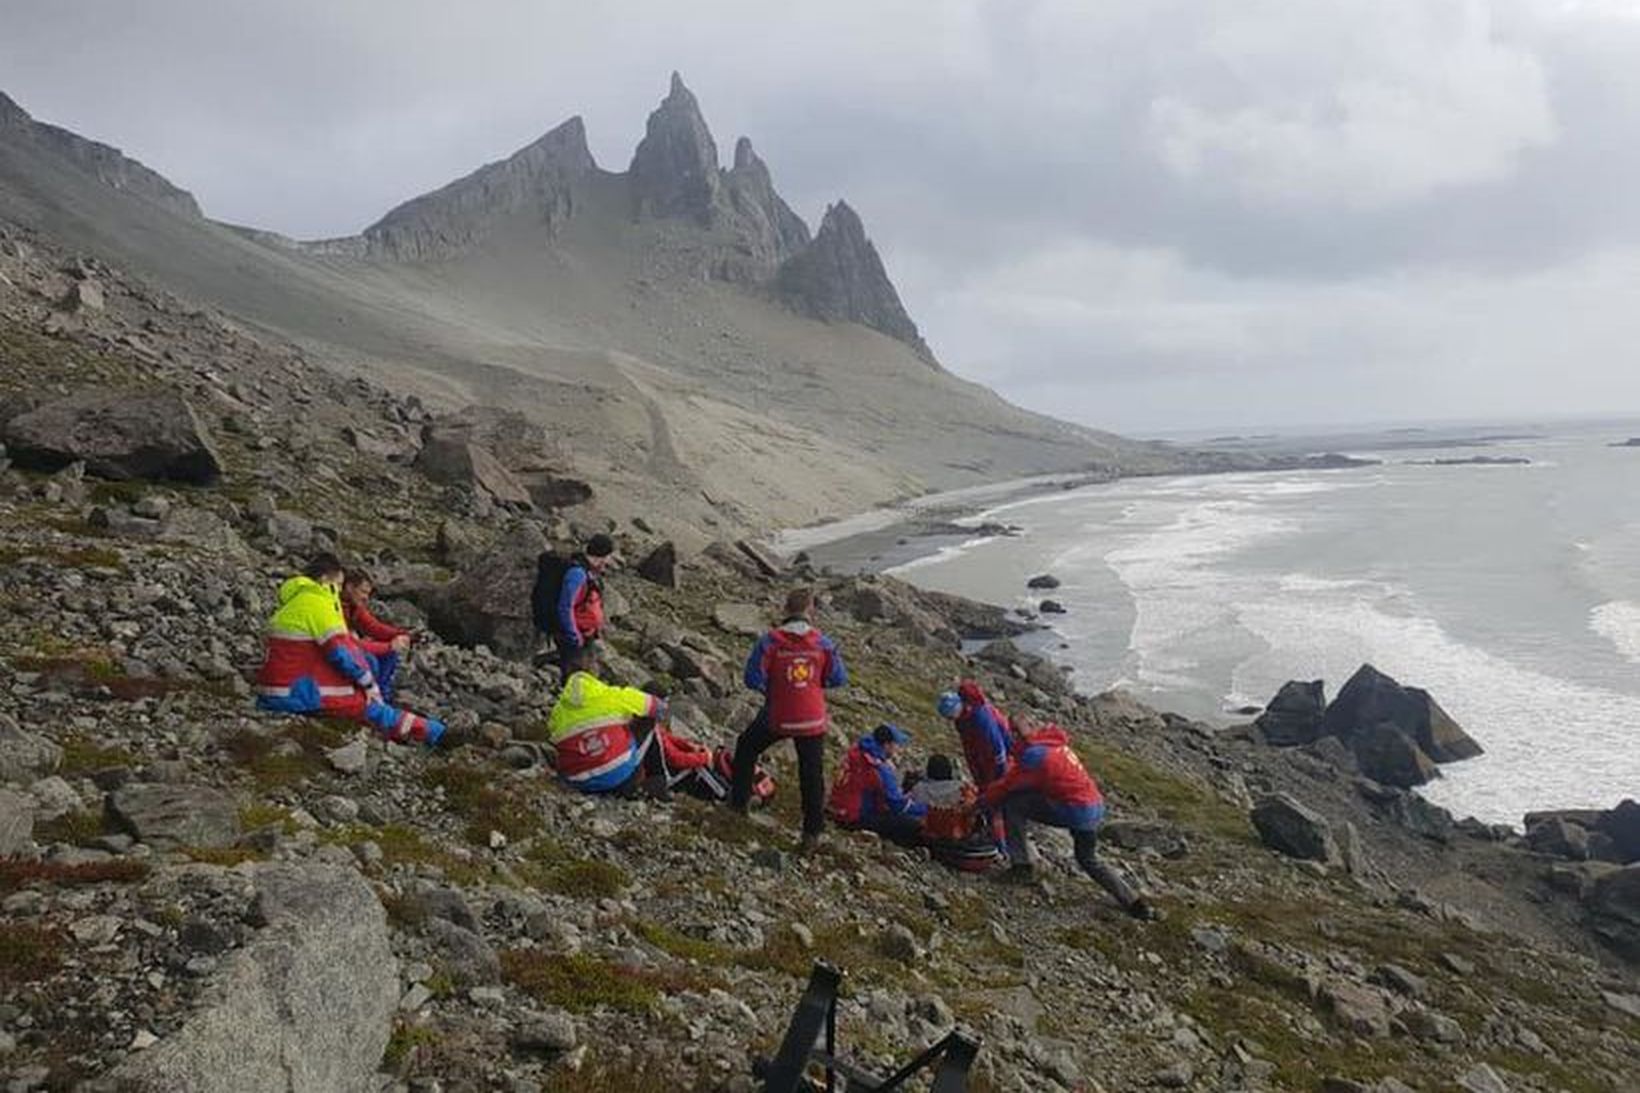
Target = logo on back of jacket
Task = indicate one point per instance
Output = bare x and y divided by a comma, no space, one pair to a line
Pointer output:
592,743
799,672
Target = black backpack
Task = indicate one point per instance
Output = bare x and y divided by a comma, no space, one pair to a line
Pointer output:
550,568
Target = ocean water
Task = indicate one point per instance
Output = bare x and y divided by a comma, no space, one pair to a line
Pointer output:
1512,593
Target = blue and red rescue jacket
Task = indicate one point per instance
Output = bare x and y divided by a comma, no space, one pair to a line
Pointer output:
793,665
868,789
985,735
1045,764
580,605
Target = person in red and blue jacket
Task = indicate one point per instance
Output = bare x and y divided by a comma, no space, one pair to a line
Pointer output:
313,665
982,729
1048,784
867,793
581,596
792,666
385,643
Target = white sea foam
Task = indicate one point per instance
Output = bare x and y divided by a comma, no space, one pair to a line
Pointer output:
1619,623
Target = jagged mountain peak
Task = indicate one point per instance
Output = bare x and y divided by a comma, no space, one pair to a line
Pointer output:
538,180
840,278
675,167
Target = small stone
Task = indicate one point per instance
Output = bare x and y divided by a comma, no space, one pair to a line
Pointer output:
1175,1076
416,997
143,1040
338,809
1457,965
350,758
767,857
804,935
899,943
95,929
1398,979
493,997
553,1032
498,841
1482,1079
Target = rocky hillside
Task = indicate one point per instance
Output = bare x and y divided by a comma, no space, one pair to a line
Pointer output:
675,324
184,881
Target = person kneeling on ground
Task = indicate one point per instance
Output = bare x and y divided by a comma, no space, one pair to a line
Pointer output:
385,644
867,794
957,833
313,665
1049,785
606,737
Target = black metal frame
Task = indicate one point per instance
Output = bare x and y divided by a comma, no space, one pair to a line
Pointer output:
816,1017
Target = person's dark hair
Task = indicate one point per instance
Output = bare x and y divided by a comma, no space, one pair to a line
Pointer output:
600,546
581,659
353,578
883,734
939,768
798,602
321,566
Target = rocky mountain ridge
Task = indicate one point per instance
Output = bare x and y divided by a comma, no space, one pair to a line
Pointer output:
164,847
698,349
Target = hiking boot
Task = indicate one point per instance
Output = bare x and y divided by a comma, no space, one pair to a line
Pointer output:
1020,873
1142,910
454,737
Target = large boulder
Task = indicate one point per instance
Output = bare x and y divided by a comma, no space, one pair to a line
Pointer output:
1613,902
151,434
1388,755
1622,826
16,823
1371,698
305,1007
660,565
1289,827
168,816
1294,714
24,756
489,604
450,458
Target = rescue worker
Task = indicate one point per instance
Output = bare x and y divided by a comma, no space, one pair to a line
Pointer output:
1048,784
313,665
384,643
580,611
792,666
867,794
605,736
982,729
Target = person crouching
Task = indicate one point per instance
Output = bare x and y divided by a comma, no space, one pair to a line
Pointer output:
312,664
867,794
604,736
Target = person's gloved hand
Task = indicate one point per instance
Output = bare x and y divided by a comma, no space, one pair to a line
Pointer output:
401,644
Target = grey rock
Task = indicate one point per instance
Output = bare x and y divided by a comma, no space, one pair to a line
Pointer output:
54,797
551,1032
1371,698
449,457
304,1007
1623,1003
1482,1079
1560,839
465,955
1622,826
1613,903
1175,1075
169,816
1287,826
1388,755
16,823
1360,1009
740,618
489,604
899,943
660,566
1400,980
24,756
350,758
86,295
1294,714
1429,1025
151,434
674,170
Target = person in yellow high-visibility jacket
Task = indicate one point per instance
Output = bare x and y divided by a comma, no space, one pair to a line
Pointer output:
605,736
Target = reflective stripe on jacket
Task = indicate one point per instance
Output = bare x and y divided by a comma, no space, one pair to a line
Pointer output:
309,654
590,730
793,665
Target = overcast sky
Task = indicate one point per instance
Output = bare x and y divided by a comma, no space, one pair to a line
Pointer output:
1141,214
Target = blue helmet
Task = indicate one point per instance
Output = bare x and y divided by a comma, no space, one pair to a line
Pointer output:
949,704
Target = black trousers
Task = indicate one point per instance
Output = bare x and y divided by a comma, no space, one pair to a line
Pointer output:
811,769
653,756
1020,810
